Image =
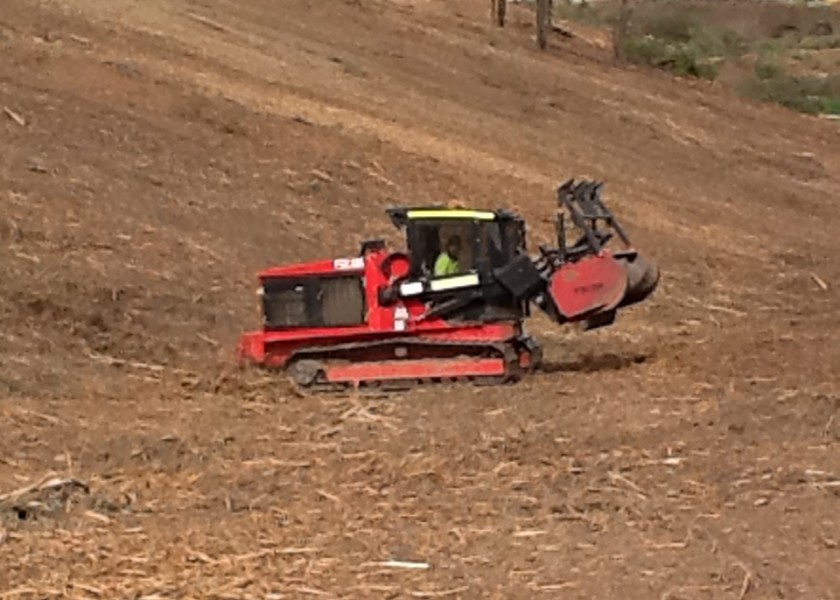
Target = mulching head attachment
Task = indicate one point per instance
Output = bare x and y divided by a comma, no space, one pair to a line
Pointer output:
582,203
587,281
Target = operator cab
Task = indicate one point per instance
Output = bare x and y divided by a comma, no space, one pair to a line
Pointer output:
488,239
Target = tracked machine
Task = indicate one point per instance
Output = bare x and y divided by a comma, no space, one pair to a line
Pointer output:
388,318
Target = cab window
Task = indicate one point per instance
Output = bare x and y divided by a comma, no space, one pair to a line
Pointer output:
429,240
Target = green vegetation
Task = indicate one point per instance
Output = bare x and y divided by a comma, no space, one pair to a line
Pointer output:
680,41
812,94
825,42
582,13
681,59
808,94
831,106
767,70
776,57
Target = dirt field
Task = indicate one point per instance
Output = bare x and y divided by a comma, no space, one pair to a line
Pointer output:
154,155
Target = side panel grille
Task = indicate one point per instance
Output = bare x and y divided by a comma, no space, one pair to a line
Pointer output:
313,302
286,307
342,301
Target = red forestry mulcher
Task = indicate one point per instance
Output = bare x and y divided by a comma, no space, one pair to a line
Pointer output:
389,318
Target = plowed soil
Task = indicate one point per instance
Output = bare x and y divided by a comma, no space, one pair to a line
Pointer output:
154,155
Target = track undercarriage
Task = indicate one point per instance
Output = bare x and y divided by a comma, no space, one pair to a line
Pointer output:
400,363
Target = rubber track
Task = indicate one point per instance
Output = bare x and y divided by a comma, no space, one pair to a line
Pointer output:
322,354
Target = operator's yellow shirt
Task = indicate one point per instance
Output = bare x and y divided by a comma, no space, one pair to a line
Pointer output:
445,265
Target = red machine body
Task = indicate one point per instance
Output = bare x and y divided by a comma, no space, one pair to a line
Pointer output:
378,319
438,340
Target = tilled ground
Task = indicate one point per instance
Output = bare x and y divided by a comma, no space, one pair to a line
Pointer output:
155,155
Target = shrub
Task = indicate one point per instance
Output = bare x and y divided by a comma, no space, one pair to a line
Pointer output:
583,13
820,43
675,38
734,43
680,59
831,105
768,70
811,95
670,25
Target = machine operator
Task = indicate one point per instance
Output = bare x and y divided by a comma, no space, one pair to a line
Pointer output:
447,261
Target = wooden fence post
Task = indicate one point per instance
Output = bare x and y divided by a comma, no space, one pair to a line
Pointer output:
622,24
499,10
544,22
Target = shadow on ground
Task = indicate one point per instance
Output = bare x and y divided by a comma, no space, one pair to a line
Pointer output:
593,363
